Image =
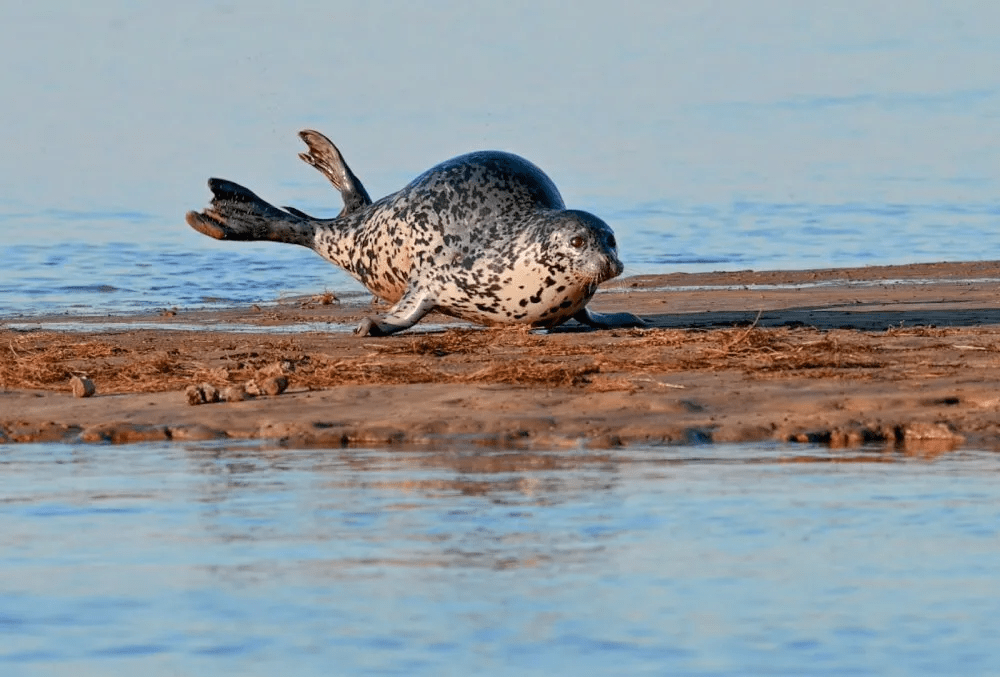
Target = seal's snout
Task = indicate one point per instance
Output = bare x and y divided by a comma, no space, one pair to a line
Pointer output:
613,268
617,267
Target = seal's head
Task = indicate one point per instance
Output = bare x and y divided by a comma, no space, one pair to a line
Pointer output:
558,261
583,247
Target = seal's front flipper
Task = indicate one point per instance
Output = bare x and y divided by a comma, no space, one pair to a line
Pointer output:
325,157
609,320
236,213
411,308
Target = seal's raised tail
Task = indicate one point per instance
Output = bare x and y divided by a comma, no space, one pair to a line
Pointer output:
237,213
325,157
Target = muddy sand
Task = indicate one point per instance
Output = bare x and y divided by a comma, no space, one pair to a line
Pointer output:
902,357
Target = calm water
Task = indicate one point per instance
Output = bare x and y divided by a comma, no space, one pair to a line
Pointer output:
215,560
711,136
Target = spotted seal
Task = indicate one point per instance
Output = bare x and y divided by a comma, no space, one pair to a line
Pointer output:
484,237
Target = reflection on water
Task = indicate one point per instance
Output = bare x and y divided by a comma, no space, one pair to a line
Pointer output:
216,559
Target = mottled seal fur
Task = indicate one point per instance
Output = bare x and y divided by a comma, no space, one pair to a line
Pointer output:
484,237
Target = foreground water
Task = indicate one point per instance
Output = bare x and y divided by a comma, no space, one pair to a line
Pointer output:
248,560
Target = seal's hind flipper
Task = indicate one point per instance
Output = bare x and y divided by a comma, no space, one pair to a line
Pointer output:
298,212
325,157
609,320
236,213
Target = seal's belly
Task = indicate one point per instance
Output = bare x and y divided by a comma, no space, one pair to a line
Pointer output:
384,283
516,298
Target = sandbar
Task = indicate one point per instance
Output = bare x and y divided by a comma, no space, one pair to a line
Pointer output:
901,358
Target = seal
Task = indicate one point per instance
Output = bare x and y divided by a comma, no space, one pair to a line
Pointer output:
484,237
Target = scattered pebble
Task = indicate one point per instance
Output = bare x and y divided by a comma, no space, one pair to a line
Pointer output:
203,393
272,385
235,394
82,386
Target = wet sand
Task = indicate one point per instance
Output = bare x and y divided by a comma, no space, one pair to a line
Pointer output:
903,357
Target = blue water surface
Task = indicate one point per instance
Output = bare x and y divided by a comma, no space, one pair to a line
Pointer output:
764,135
192,559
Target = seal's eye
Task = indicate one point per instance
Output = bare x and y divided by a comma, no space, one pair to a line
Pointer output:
577,241
611,242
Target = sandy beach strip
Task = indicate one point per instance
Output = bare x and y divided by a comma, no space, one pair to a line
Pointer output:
905,358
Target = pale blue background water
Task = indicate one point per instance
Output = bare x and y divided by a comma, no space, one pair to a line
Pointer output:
712,136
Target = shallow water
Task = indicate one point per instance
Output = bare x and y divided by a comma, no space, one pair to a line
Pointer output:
253,560
95,278
86,278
